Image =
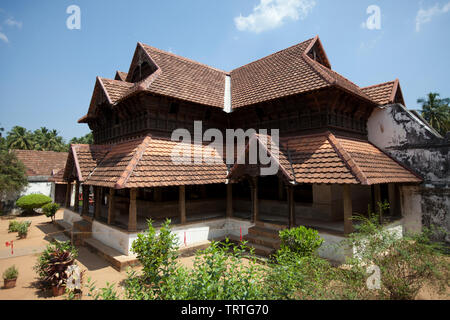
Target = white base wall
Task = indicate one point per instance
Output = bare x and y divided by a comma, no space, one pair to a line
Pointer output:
70,217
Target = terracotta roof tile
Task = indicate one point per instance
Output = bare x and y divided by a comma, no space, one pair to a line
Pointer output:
41,163
381,93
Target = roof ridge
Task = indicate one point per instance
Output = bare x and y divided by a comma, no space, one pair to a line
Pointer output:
140,149
378,85
272,54
348,160
182,58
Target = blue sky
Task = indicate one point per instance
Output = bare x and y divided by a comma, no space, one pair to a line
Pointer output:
47,72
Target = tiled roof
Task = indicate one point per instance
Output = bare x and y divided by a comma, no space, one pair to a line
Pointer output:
381,93
122,76
41,163
326,159
288,72
83,159
186,79
147,162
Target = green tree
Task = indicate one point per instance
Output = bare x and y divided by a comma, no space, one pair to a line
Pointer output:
12,175
87,139
436,111
20,138
48,140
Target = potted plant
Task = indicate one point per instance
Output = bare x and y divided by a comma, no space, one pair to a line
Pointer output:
22,229
10,276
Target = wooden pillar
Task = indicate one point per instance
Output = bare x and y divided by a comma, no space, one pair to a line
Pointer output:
348,209
68,194
229,200
392,200
132,219
111,206
85,209
203,194
377,196
255,201
291,206
97,202
76,206
182,204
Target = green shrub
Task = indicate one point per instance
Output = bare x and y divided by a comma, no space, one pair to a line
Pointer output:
301,241
13,226
33,201
22,229
50,210
11,273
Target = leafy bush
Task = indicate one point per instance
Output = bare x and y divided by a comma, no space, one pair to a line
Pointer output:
22,229
156,252
301,241
11,273
13,226
50,210
56,254
33,201
405,263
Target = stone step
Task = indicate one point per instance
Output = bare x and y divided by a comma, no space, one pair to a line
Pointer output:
83,225
259,231
263,241
118,260
260,250
270,226
60,237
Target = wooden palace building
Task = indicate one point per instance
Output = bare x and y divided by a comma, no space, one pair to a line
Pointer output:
328,170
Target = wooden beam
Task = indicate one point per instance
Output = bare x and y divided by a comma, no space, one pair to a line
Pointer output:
132,219
111,206
97,202
76,205
255,200
85,209
229,200
291,207
348,209
182,204
68,194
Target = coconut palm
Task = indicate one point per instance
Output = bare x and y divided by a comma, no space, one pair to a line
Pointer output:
20,138
436,111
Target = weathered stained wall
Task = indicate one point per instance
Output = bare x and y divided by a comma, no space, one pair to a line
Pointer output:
412,142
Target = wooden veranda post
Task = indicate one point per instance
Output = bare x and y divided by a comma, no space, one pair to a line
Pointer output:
291,207
182,204
348,209
111,206
68,194
97,202
255,201
229,200
76,206
132,219
85,209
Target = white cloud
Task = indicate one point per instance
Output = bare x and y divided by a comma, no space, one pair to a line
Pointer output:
13,23
426,15
3,37
271,14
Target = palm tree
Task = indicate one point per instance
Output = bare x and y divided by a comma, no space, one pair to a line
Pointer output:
437,112
20,138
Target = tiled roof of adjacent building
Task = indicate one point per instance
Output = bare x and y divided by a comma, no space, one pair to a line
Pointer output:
288,72
385,93
41,163
327,159
146,162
